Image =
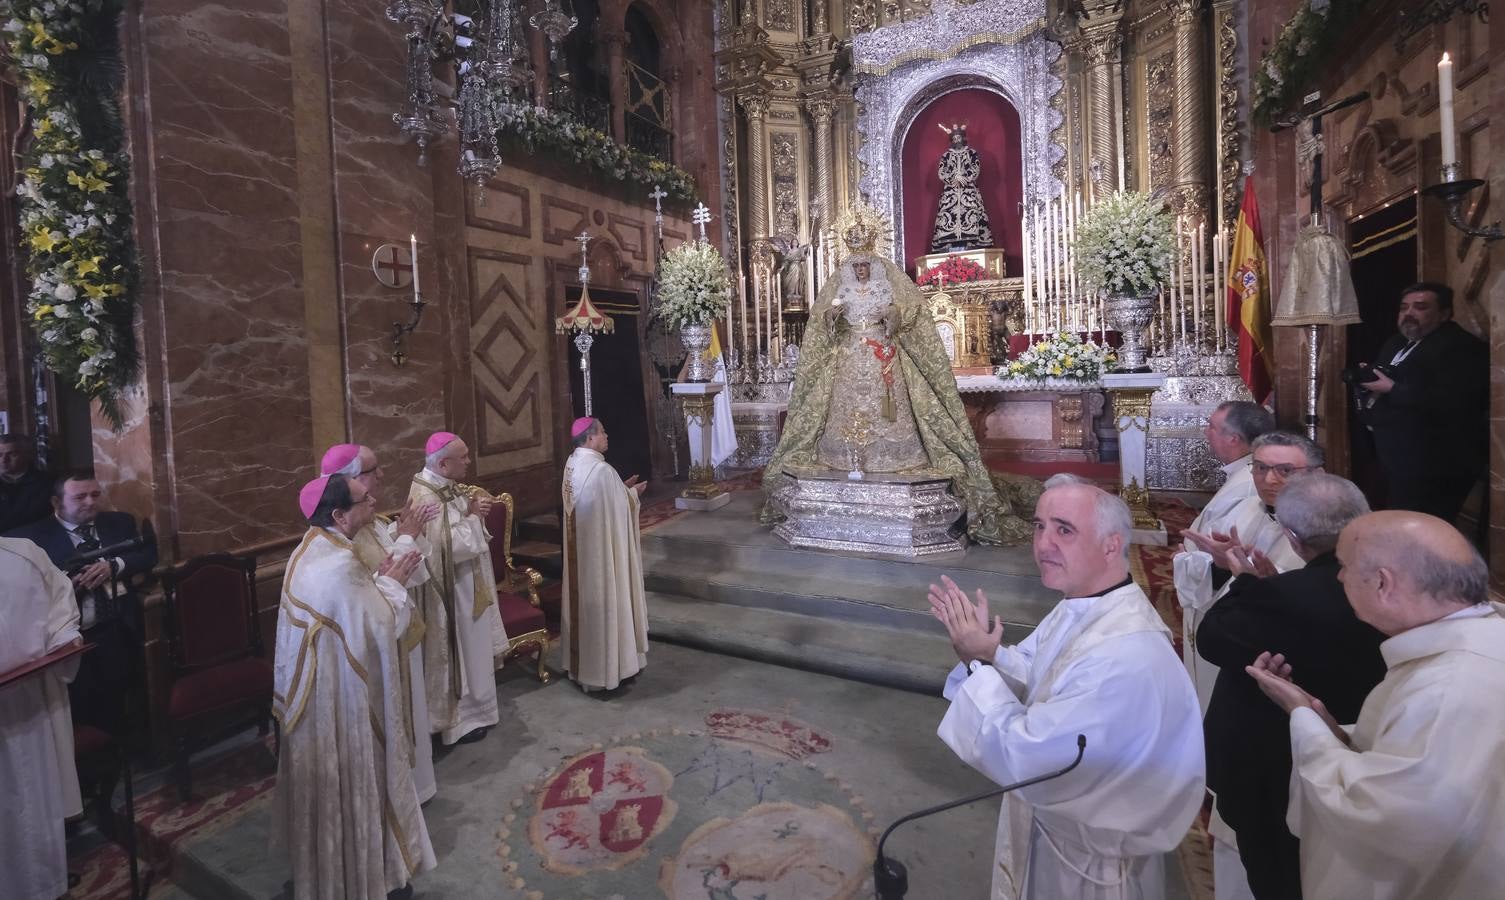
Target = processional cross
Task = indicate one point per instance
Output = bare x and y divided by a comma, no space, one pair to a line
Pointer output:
1309,147
584,239
700,217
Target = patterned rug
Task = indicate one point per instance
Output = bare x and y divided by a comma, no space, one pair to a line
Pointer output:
223,788
737,810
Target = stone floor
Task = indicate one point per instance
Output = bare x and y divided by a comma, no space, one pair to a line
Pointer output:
883,752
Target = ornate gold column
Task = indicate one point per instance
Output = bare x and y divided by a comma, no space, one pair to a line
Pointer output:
1191,77
755,107
1102,46
821,109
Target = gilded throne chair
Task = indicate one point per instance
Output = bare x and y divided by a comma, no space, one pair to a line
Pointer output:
516,592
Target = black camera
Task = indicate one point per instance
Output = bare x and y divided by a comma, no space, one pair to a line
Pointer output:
1359,376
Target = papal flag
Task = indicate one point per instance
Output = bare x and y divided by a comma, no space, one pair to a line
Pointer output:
723,430
1249,298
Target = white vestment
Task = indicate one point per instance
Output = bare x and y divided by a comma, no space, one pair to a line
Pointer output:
463,634
1195,591
373,544
1238,485
1416,809
1102,667
723,429
604,622
345,810
38,782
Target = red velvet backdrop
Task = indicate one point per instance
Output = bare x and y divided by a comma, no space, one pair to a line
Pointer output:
993,131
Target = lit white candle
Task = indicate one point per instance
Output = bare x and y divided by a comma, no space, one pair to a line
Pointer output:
1445,109
413,245
1199,269
1028,293
1219,290
1178,299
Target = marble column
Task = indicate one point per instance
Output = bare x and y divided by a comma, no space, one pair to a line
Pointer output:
1191,77
616,77
699,400
821,111
1132,393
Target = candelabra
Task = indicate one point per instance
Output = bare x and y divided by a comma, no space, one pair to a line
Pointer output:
1451,191
485,49
401,331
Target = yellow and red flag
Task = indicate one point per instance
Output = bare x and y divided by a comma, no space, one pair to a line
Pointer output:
1249,298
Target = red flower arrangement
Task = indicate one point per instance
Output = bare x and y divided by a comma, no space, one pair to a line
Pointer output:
956,269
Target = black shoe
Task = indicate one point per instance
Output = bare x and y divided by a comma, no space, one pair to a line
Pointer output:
478,735
403,893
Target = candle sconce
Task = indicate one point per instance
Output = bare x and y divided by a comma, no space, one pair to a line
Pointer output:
400,331
1452,190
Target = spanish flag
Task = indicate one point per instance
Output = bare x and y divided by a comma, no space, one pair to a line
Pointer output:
1249,298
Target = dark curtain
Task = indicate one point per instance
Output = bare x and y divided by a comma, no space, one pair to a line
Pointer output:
1382,247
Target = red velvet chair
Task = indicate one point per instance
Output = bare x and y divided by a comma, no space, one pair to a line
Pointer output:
516,591
221,679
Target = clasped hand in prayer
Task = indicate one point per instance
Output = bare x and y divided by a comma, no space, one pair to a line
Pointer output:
966,621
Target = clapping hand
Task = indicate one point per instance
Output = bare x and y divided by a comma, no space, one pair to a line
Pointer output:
1215,544
966,621
1273,674
1245,560
639,486
412,518
400,568
480,505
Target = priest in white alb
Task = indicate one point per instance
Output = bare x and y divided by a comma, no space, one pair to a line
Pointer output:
38,783
346,809
604,627
1202,570
381,538
463,634
1409,802
1100,665
1231,432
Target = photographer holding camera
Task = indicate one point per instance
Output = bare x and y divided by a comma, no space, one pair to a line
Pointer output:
101,552
1425,400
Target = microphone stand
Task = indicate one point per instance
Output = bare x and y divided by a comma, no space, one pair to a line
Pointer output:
891,878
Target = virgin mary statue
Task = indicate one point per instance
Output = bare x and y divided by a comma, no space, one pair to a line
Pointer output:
874,386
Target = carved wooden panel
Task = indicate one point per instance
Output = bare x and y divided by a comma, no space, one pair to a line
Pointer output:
506,208
634,236
562,220
509,363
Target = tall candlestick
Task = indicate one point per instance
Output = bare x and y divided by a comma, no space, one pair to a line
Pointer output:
413,244
1024,236
1217,291
1177,320
1199,267
1445,109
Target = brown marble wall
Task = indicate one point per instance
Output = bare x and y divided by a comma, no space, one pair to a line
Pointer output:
1495,304
268,171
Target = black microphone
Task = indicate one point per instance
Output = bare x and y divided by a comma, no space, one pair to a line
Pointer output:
892,879
80,560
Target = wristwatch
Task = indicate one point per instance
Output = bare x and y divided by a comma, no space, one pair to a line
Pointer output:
975,666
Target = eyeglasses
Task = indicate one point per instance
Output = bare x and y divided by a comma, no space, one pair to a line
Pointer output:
1283,471
369,498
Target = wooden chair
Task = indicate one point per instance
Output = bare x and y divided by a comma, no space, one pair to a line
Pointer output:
221,679
516,591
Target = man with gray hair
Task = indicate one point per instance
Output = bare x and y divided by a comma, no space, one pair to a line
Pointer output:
1099,665
1410,801
1303,615
1203,569
1231,431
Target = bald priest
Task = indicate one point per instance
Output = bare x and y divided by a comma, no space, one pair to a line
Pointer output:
346,808
604,623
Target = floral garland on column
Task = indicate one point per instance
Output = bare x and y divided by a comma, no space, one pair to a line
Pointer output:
75,206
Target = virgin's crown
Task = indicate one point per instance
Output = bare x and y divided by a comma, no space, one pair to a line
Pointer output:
860,237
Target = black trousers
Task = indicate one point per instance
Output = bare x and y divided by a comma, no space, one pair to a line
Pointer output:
1270,853
105,692
1440,494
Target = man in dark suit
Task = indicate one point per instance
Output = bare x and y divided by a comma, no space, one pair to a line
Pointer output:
109,609
1303,614
1429,416
24,489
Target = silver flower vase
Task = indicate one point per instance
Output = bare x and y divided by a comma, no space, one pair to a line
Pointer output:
1130,315
697,340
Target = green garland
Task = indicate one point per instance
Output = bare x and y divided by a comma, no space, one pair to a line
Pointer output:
1299,55
75,207
540,128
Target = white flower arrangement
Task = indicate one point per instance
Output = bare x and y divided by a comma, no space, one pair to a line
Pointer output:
1124,245
75,211
694,285
1060,358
